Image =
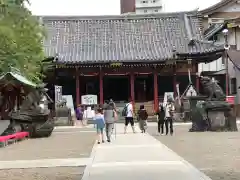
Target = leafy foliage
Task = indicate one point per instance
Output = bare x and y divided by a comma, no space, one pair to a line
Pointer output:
20,40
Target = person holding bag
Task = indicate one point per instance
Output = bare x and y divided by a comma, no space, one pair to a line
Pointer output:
142,118
169,110
110,116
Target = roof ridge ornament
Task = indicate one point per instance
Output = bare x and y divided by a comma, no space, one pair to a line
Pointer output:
14,70
174,51
192,42
126,16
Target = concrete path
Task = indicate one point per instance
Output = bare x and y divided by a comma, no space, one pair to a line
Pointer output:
44,163
138,157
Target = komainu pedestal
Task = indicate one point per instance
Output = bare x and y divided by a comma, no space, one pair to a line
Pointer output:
63,115
211,112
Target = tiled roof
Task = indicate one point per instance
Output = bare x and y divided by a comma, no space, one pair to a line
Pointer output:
213,29
214,8
131,38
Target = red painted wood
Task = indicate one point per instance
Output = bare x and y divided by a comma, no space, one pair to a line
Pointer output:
116,74
197,79
174,82
139,73
132,94
101,86
123,71
90,74
227,83
77,87
155,84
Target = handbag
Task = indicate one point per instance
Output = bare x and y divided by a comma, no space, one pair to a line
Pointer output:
115,115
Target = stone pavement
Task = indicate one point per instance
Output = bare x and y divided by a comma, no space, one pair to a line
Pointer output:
44,163
66,147
138,157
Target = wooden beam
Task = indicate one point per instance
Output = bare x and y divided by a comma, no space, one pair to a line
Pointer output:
101,86
155,96
132,90
77,87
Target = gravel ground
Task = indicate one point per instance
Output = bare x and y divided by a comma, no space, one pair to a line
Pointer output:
58,173
217,154
67,144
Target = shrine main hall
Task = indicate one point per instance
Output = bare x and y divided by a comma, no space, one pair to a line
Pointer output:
127,56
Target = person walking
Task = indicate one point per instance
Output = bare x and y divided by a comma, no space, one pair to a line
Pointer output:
100,124
169,109
85,115
142,118
79,115
110,116
128,114
161,120
113,104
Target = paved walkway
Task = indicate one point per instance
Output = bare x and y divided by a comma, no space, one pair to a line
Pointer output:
44,163
138,157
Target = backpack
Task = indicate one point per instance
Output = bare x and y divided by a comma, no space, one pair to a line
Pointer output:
124,111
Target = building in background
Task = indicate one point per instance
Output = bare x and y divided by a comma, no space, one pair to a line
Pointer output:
224,15
127,6
215,19
141,6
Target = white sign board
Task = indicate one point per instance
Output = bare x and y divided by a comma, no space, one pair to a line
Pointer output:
88,113
89,99
168,95
69,103
58,93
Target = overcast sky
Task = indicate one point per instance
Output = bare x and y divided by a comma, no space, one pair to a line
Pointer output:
105,7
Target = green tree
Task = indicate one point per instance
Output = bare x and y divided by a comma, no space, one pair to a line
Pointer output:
21,38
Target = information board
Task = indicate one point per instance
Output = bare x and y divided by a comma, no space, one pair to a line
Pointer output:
58,94
89,99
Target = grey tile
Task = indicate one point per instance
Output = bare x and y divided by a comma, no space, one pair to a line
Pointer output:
133,38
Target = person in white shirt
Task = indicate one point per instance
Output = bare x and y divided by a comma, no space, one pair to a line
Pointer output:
169,109
129,116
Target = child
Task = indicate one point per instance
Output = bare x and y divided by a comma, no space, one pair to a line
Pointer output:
142,118
100,124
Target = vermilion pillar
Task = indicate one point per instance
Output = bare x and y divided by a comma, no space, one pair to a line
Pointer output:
132,94
155,85
101,86
77,87
174,81
197,82
197,85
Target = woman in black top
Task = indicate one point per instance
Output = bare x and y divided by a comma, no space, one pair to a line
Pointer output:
161,120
